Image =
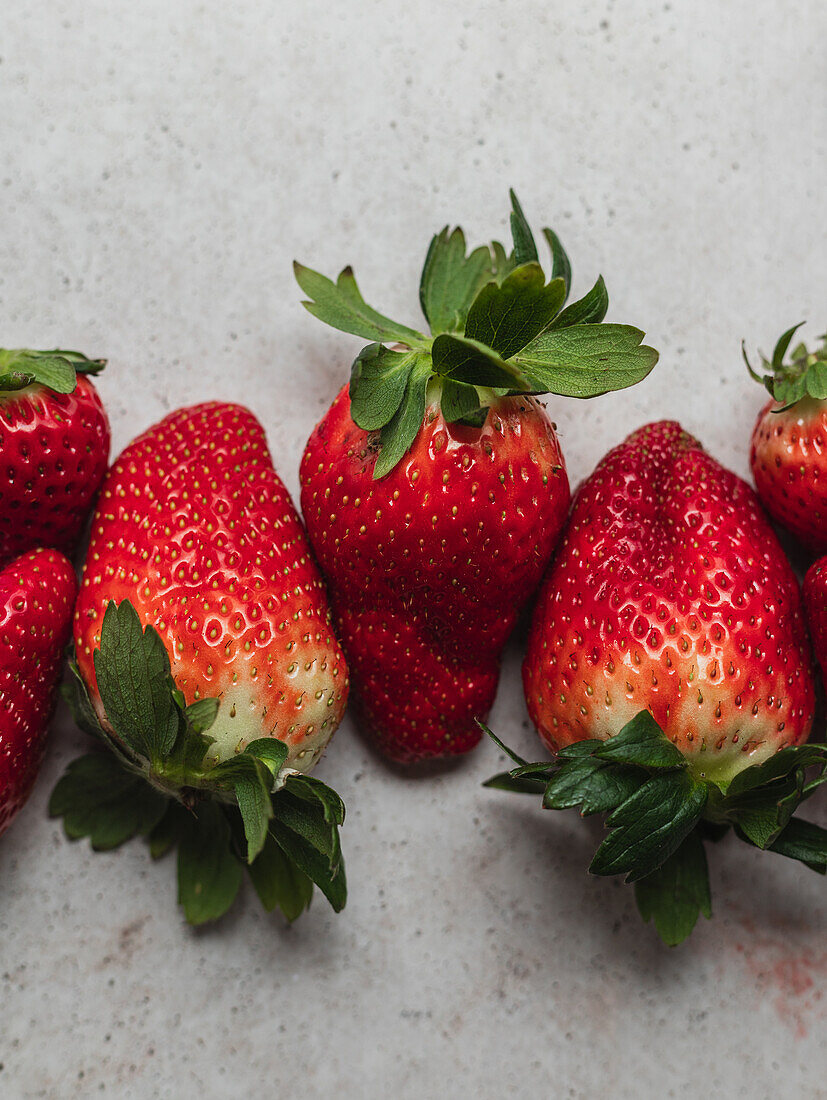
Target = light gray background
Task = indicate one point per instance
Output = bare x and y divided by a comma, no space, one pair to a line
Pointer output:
161,163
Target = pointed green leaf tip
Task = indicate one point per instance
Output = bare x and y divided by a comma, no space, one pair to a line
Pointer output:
495,323
659,816
57,370
803,375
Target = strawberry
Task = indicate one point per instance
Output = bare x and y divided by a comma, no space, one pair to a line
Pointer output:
206,661
788,454
37,595
434,489
54,446
669,671
815,600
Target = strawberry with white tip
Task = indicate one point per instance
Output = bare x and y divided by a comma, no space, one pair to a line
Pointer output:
206,661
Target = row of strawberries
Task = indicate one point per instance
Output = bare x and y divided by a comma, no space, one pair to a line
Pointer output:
668,667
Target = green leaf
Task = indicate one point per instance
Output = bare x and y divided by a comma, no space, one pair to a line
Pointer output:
250,780
466,360
451,280
279,882
75,692
560,264
270,751
459,401
53,369
507,316
803,841
306,834
398,435
641,742
585,360
525,250
505,781
209,873
597,786
650,825
777,767
677,892
312,789
169,829
133,672
377,384
201,715
504,263
501,745
97,798
780,349
342,306
589,310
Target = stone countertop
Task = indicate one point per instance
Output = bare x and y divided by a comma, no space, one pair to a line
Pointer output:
162,163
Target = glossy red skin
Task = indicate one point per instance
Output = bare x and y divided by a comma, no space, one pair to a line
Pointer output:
815,600
670,592
37,595
54,448
788,457
430,565
195,528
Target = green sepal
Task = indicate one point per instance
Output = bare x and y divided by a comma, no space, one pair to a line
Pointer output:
169,829
585,360
641,742
560,263
593,784
804,841
279,882
460,402
56,369
650,825
399,433
378,380
305,824
588,310
342,306
525,248
451,280
677,893
133,674
98,799
804,375
465,360
209,871
506,316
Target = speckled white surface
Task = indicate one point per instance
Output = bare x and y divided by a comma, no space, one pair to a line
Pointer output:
161,164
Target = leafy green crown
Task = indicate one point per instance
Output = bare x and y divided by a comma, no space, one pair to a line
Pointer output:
57,369
156,781
659,814
496,328
803,375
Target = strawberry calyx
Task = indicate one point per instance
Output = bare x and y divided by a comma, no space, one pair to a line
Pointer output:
57,370
496,326
154,781
659,815
804,375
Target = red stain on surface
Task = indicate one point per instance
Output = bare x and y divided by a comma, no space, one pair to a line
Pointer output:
789,965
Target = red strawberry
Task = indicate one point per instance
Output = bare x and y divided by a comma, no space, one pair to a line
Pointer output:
815,600
196,539
432,564
54,446
434,490
668,669
671,593
789,442
37,594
